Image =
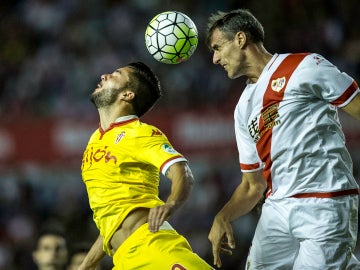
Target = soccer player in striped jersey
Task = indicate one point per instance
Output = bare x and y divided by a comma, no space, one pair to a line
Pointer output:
121,169
291,149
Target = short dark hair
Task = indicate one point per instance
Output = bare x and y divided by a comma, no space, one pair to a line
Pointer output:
50,231
234,21
146,87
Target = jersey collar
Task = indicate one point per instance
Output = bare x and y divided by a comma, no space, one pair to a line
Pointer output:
125,118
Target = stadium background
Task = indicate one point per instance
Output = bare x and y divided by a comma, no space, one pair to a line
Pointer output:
52,53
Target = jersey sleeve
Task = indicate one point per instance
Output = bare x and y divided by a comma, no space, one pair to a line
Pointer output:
248,157
158,151
327,82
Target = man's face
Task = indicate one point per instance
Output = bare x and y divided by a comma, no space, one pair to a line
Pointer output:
51,253
227,53
110,86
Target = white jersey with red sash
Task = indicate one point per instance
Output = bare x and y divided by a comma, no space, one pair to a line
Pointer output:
287,124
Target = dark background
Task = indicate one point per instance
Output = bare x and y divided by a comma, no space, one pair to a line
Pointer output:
52,54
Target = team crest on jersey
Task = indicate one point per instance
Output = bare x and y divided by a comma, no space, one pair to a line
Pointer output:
168,149
278,84
119,137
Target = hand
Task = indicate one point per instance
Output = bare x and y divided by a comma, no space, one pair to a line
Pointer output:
222,239
158,215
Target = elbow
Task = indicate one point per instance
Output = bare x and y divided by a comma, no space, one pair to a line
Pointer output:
189,176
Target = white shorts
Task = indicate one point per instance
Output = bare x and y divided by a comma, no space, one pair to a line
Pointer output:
304,234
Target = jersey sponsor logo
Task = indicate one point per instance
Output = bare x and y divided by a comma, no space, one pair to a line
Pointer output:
97,155
168,149
156,132
253,128
177,266
270,115
270,119
278,84
119,137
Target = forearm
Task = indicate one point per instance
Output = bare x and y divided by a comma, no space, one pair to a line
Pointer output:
243,200
182,183
94,256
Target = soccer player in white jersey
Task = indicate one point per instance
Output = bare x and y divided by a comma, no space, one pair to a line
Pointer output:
291,150
121,169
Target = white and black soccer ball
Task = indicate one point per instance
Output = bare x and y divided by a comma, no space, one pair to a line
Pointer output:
171,37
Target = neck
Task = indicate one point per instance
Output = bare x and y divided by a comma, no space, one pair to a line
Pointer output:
261,57
108,115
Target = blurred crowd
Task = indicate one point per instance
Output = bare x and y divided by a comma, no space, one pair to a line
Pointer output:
52,54
54,51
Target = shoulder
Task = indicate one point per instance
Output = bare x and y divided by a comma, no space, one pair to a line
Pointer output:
312,66
313,60
144,133
149,130
309,58
95,134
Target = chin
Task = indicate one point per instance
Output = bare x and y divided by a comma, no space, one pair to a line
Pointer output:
232,76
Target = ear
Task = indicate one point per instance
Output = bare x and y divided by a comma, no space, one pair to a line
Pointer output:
127,95
241,38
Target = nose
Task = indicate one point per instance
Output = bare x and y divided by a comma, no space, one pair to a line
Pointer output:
216,58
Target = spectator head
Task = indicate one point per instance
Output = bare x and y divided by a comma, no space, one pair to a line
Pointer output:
51,251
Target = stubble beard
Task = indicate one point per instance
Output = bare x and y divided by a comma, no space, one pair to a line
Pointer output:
105,97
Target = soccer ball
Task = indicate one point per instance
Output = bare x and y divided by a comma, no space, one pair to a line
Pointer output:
171,37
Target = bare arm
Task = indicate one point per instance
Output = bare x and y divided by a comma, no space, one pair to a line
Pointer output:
243,200
353,108
181,185
94,256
